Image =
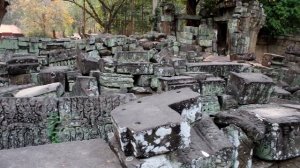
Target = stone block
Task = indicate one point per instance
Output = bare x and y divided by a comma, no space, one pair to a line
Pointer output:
191,29
4,82
9,44
273,128
50,90
142,137
115,41
212,86
227,102
164,71
243,146
53,74
144,80
84,118
21,64
142,68
87,62
26,121
131,56
209,147
250,88
107,65
210,105
22,79
105,52
85,86
177,82
218,69
205,43
187,35
116,80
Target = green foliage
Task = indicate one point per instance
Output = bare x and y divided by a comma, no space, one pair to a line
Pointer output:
283,16
53,122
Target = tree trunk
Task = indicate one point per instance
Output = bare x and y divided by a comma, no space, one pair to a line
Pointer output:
3,5
154,6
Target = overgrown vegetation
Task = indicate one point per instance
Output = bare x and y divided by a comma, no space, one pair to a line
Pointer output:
283,17
53,122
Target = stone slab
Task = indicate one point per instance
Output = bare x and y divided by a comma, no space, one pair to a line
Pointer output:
132,56
143,137
88,154
218,69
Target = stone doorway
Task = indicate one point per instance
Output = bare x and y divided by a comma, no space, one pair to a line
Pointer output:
222,42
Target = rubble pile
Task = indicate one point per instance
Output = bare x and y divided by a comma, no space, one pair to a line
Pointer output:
213,112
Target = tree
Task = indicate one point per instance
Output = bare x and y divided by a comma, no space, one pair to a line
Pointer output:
42,17
283,16
3,5
104,12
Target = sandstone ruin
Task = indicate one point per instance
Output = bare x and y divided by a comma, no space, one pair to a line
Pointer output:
163,99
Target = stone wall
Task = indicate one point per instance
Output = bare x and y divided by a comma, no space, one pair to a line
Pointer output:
42,120
278,45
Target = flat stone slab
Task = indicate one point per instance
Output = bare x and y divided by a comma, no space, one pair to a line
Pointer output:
116,80
132,56
135,68
153,125
88,154
177,82
219,69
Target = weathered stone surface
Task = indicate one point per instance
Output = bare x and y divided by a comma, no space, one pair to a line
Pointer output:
24,121
142,137
19,64
281,140
243,146
227,102
177,82
209,147
250,124
3,82
164,71
132,56
116,80
210,105
212,86
281,93
250,88
107,65
85,86
21,79
142,68
53,74
273,128
86,63
9,91
50,90
89,154
218,69
144,80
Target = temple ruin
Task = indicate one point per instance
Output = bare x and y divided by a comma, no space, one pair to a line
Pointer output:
181,96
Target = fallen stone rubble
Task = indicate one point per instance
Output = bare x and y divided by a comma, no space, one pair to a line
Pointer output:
194,109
